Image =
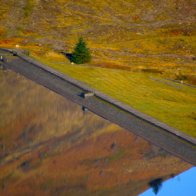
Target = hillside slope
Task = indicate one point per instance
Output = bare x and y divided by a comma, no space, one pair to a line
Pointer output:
49,147
55,149
136,26
154,36
150,40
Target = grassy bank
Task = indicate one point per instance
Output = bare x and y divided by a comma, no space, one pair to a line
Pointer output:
132,44
164,100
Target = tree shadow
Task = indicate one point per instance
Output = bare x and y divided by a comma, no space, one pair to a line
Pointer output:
68,55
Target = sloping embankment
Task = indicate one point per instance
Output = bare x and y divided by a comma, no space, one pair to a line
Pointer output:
150,129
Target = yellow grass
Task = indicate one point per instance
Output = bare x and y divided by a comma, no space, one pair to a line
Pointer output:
115,31
166,101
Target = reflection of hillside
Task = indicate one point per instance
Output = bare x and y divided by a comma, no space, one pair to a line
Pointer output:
49,147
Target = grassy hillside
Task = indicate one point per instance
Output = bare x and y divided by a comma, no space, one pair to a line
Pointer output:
126,32
138,43
142,34
57,150
165,100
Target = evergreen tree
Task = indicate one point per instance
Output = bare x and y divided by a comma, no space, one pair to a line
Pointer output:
156,185
81,53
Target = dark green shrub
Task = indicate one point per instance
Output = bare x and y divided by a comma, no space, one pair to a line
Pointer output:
81,53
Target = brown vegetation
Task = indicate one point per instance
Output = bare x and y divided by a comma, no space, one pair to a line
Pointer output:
49,147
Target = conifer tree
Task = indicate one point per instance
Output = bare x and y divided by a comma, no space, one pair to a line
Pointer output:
81,53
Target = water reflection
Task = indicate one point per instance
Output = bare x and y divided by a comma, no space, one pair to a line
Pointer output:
49,146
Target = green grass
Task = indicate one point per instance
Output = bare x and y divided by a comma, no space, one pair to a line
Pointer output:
172,104
115,32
